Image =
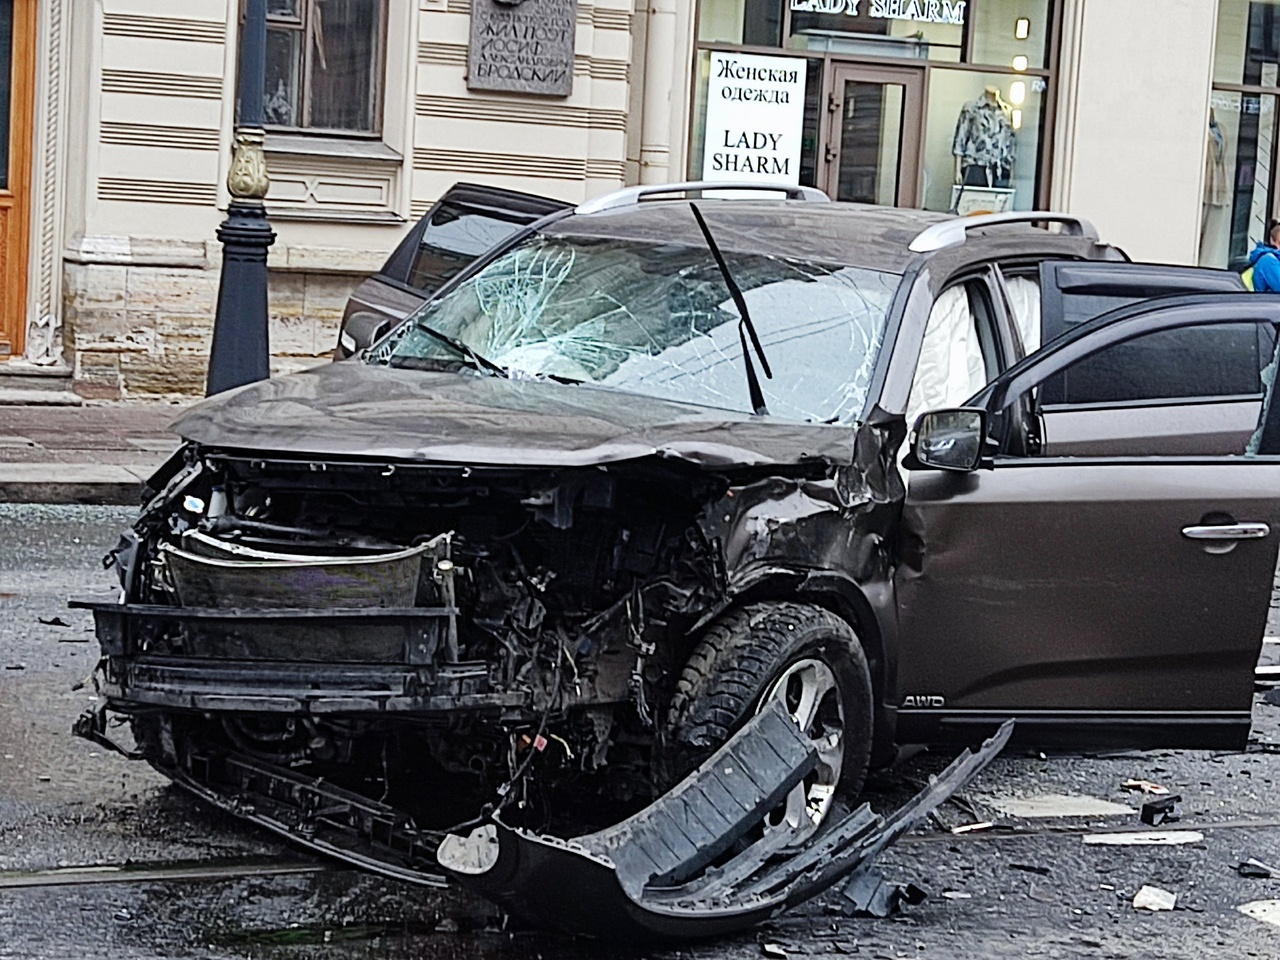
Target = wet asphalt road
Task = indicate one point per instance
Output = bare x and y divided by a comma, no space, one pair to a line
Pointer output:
1025,889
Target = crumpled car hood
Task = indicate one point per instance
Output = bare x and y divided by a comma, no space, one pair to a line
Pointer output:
353,409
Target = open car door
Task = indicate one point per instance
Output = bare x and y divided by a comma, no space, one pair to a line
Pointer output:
1102,599
464,223
1119,405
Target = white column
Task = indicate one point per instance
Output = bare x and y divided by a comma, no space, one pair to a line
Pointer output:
1132,119
660,64
44,290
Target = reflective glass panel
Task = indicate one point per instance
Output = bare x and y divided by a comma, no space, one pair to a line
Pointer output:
283,8
919,29
1248,42
751,22
1239,173
871,117
1006,30
282,92
982,141
344,64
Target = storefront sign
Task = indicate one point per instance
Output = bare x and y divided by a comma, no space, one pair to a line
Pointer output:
525,46
924,11
755,118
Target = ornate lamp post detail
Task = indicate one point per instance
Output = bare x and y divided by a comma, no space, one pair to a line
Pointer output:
240,351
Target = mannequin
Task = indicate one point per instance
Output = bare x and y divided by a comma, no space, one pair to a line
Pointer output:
984,145
1217,193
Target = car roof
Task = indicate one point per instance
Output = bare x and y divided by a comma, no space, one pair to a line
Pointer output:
852,234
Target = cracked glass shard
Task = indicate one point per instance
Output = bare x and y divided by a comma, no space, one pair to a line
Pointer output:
656,319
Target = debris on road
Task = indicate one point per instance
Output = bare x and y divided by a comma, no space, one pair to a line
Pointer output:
53,621
1257,870
973,827
1150,838
870,895
1153,898
1040,895
1164,810
1268,911
16,666
774,950
956,895
1058,805
1030,868
660,874
1145,786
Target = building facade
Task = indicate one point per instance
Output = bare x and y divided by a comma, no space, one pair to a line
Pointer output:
1154,118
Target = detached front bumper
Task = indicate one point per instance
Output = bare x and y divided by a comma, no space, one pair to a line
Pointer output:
300,661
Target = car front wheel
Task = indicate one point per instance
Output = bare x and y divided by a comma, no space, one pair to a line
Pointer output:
803,656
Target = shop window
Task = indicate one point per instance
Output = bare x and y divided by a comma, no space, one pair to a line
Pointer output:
879,28
871,133
982,141
748,22
1011,33
325,62
1241,138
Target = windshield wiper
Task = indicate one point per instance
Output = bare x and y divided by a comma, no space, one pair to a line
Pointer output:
745,326
480,362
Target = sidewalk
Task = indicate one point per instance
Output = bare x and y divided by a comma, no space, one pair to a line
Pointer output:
95,453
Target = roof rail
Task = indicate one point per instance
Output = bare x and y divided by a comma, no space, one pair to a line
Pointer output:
950,233
633,195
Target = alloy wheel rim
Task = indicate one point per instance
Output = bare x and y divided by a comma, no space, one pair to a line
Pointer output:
809,692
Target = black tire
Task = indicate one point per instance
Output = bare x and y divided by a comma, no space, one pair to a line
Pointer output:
740,657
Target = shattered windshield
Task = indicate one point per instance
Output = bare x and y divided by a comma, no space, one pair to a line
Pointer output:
657,319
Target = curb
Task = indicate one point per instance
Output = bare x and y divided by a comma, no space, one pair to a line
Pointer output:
82,483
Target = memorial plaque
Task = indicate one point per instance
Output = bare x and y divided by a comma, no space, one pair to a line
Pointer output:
522,47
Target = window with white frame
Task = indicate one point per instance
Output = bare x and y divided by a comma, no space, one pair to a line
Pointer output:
325,64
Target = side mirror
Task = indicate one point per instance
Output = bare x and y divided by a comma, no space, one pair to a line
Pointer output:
359,331
949,440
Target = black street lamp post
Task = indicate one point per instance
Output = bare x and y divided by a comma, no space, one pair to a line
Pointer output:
240,352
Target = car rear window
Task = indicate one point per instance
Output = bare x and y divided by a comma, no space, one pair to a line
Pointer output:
454,237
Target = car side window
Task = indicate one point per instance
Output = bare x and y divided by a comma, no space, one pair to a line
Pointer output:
1023,292
1191,391
454,237
1191,363
958,355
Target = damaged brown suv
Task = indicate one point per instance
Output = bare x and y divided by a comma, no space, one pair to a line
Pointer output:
643,468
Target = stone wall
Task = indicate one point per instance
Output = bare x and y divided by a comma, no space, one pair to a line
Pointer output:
144,330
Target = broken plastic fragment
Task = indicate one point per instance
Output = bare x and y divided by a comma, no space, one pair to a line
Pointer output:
1145,786
1153,898
1268,911
1256,869
1151,838
973,827
1058,805
1164,810
870,895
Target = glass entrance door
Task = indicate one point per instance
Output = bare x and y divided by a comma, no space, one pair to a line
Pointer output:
873,137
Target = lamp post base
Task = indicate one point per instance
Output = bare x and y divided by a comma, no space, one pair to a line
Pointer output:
240,352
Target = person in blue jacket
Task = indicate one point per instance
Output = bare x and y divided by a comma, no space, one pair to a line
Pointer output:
1265,261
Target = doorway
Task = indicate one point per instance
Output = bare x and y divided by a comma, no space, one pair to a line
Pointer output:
17,99
875,118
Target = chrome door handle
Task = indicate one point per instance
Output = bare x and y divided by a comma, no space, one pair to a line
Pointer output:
1227,531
